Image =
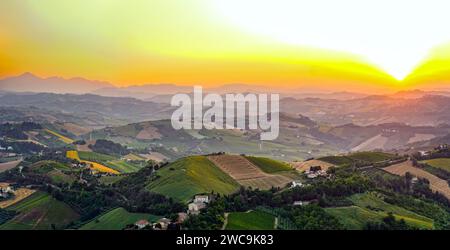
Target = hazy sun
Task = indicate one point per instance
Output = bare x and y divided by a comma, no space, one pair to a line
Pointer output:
393,34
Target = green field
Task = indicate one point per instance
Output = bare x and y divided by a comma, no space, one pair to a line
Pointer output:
186,177
369,157
43,167
58,172
122,166
117,219
441,163
253,220
371,207
269,165
110,161
93,156
40,211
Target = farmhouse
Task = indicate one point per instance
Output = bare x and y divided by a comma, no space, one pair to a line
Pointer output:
140,224
301,203
5,191
297,183
195,207
424,153
164,223
201,198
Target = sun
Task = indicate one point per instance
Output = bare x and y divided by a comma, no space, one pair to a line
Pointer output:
393,35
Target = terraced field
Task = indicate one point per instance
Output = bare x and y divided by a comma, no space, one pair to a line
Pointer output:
247,173
192,175
436,184
117,219
40,211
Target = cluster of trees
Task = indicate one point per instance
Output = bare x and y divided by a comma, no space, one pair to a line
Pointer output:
388,223
109,147
16,131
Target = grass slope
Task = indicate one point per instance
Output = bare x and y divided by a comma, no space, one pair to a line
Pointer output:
189,176
253,220
117,219
370,207
369,157
40,211
269,165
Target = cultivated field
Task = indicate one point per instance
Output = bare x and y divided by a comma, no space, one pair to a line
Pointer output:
63,138
436,184
192,175
117,219
9,165
306,165
247,173
252,220
40,211
371,207
94,165
19,195
441,163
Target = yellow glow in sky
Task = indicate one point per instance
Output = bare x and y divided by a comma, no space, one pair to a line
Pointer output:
332,45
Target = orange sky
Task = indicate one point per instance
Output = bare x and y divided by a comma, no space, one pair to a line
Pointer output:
158,41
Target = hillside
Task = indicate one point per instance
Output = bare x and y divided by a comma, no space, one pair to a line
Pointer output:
371,207
40,211
117,219
192,175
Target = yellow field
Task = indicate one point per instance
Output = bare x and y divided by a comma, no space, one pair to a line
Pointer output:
72,154
61,137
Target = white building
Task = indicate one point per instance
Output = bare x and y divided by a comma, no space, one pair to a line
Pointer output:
297,184
201,198
195,207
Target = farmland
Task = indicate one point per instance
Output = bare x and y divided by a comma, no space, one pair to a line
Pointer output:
19,195
117,219
252,220
436,184
306,165
441,163
366,157
9,165
247,174
192,175
371,207
94,165
40,211
268,165
63,138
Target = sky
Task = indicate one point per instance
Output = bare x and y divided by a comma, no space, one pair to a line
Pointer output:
352,45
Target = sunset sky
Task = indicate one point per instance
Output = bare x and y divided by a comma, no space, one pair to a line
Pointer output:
350,45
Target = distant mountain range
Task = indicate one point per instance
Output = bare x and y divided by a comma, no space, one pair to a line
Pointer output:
28,82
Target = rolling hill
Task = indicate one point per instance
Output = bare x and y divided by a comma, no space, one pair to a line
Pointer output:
40,211
117,219
188,176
